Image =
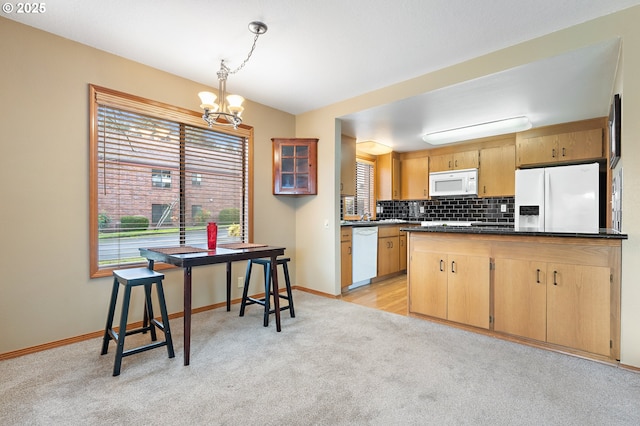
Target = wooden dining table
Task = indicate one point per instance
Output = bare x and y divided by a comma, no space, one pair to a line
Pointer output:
188,257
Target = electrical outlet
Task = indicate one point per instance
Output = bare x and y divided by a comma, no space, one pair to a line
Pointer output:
240,282
503,208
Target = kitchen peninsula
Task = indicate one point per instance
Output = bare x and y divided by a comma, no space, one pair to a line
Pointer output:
559,291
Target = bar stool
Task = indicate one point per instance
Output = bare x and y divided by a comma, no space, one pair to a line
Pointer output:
130,278
268,288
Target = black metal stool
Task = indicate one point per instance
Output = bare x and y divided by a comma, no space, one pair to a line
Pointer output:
268,287
131,278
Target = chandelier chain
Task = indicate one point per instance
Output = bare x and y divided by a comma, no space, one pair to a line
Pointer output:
255,40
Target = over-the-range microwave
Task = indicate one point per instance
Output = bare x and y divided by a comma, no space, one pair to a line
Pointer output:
454,182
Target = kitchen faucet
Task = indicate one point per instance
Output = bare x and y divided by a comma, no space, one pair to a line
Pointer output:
366,216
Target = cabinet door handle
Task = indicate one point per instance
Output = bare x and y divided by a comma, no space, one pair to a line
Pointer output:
553,153
484,189
555,277
538,276
449,163
453,264
425,192
349,250
341,186
564,152
455,164
441,265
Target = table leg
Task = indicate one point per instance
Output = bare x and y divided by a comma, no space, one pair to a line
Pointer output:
276,292
228,286
187,314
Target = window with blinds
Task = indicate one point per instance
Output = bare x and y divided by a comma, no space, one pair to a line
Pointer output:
365,196
158,180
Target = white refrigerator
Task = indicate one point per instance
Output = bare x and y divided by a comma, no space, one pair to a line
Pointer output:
558,199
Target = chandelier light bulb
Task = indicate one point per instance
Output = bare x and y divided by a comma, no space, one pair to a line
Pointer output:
208,101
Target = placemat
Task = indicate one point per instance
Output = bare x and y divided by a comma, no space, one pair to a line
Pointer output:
239,246
179,250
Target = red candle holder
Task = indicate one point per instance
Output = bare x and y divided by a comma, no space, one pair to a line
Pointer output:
212,235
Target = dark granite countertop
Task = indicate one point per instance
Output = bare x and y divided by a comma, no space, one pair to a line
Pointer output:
509,230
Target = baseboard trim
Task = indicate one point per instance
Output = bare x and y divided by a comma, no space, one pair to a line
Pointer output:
96,334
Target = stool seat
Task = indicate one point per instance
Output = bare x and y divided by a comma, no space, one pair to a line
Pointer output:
131,278
268,288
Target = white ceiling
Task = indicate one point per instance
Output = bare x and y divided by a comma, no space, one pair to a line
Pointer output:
318,52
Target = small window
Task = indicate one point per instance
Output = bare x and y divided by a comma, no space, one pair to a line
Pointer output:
196,179
364,202
161,178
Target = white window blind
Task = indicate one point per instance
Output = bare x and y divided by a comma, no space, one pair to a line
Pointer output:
159,182
365,196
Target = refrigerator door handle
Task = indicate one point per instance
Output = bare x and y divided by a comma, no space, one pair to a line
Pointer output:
547,203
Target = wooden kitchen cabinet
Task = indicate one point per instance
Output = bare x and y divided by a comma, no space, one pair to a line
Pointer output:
414,173
449,280
388,250
561,292
294,166
388,177
348,166
346,259
455,161
578,307
402,241
560,148
567,302
497,171
520,298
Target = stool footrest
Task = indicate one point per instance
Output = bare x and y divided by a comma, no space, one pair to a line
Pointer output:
145,348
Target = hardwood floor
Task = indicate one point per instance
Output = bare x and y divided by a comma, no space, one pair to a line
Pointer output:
388,295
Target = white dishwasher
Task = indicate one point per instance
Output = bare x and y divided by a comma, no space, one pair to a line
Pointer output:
365,253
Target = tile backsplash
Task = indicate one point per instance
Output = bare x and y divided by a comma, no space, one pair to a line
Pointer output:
449,209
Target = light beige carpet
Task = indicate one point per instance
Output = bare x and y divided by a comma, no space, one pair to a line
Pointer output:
336,363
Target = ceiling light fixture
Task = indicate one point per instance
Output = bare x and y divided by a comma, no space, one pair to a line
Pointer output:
229,111
373,148
492,128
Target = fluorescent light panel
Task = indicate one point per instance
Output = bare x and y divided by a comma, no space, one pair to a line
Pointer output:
492,128
373,147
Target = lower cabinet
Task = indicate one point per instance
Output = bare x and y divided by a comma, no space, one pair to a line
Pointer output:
402,240
346,265
562,293
388,250
446,283
560,303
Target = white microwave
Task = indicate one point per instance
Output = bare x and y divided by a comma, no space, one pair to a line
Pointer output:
454,182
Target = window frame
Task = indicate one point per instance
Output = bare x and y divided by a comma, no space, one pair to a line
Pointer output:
372,162
103,96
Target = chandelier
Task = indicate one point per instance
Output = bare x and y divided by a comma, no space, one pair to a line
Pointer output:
228,112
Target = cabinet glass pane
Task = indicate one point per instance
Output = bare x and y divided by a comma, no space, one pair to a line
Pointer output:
287,165
287,180
302,151
302,181
287,150
302,165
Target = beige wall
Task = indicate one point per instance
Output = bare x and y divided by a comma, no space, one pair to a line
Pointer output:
311,237
45,294
45,290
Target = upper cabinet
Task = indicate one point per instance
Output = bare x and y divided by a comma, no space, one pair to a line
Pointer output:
455,161
348,166
294,166
414,176
388,177
560,148
497,171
